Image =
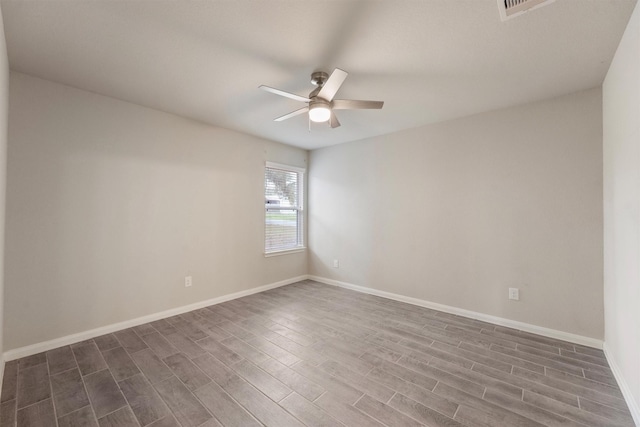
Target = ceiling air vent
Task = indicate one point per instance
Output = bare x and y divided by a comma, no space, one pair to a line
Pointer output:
512,8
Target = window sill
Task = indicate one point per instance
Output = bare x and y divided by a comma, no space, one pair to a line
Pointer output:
285,252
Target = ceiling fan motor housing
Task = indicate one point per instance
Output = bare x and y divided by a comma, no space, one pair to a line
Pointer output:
319,103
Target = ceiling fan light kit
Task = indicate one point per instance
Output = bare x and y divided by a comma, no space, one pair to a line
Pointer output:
320,101
319,111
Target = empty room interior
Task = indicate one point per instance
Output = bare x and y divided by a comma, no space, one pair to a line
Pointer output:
320,213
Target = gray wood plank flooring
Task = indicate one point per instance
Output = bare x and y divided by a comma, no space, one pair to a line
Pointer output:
310,354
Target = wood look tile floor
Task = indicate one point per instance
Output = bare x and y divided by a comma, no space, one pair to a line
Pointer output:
309,354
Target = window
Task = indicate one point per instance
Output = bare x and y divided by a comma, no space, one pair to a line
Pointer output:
283,206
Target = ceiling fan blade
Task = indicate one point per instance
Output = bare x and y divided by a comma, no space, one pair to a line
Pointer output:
333,83
285,94
333,121
354,104
292,114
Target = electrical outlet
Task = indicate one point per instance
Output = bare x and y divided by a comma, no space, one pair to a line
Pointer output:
188,281
336,263
514,294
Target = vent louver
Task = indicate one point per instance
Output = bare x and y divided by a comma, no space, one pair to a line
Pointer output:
512,8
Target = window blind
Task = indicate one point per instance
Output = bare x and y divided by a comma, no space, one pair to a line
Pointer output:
283,209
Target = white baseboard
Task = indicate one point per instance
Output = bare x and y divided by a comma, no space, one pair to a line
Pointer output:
526,327
634,408
81,336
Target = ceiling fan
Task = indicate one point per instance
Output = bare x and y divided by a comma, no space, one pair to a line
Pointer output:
320,101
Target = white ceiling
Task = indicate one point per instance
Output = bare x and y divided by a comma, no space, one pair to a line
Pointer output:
429,60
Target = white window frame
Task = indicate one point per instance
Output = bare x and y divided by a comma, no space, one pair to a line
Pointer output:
300,208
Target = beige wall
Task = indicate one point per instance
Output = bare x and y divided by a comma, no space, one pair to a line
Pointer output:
456,213
621,123
110,205
4,112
